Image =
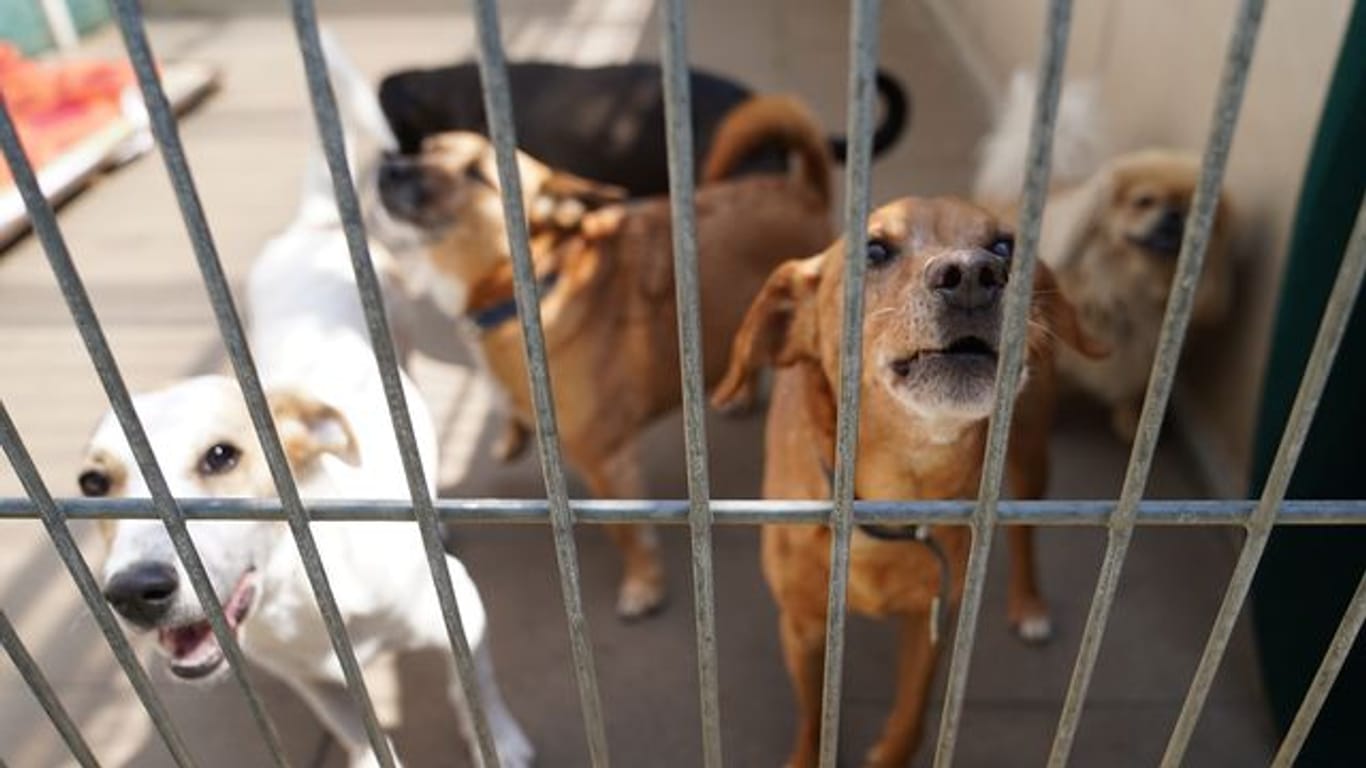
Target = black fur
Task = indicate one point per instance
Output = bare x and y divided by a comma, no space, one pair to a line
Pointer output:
601,123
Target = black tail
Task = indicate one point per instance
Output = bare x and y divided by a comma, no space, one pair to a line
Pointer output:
896,107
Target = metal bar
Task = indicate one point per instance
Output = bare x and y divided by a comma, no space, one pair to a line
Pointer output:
333,142
42,690
498,109
1336,315
167,135
55,521
863,38
97,346
1055,514
678,112
1179,303
1013,342
1333,660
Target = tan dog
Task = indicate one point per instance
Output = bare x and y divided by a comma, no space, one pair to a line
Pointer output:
1113,244
936,272
1112,232
606,272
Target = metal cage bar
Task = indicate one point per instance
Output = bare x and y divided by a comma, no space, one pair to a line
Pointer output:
116,389
1055,514
862,66
683,228
332,139
498,109
1237,60
42,691
1332,327
1014,334
1333,660
55,521
167,135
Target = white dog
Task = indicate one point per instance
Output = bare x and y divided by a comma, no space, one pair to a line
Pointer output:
309,339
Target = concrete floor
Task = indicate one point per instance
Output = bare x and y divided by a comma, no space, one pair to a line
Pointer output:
247,147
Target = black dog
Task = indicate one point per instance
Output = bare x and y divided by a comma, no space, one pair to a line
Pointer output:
601,123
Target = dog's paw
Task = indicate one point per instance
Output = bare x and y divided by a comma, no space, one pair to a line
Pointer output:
639,598
886,756
1035,630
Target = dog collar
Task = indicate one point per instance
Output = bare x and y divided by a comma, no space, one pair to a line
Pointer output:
492,316
919,534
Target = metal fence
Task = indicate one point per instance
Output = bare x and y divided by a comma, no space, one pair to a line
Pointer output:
699,512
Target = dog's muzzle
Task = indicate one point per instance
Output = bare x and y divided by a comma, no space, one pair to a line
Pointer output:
403,187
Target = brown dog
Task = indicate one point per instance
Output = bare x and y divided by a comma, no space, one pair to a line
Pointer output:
606,271
936,271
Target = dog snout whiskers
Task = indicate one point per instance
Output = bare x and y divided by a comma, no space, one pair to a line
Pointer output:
967,281
144,592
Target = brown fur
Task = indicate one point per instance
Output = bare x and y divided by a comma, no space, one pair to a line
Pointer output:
904,452
610,328
1119,286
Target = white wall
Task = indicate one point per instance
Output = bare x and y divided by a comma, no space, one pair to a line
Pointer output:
1158,62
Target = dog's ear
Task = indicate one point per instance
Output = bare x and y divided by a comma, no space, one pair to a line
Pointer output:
779,329
310,428
1060,316
1075,216
564,198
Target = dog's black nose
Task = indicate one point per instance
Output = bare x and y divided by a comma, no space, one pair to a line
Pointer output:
143,592
970,280
401,186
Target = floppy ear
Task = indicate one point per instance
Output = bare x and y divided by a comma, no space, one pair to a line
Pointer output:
1061,317
564,198
779,329
310,428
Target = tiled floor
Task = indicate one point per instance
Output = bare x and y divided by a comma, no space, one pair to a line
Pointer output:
247,147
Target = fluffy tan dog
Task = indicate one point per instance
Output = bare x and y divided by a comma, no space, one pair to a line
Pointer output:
1112,232
606,272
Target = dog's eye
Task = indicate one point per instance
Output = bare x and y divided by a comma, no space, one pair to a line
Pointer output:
94,483
220,458
1145,201
881,252
1003,246
476,174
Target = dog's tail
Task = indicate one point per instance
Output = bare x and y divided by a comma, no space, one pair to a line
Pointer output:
1079,140
896,111
362,121
771,119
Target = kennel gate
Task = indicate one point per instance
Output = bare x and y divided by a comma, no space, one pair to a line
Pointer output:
699,512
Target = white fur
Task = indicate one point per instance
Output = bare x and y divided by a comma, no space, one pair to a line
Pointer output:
1080,141
308,336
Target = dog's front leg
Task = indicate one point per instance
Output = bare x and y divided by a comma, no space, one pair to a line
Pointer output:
514,750
804,654
333,706
642,589
915,668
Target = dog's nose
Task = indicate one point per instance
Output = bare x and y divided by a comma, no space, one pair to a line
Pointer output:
143,592
970,280
1172,225
401,187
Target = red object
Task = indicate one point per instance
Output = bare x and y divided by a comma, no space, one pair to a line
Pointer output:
57,104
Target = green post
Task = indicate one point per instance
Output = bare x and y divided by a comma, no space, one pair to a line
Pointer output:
1308,574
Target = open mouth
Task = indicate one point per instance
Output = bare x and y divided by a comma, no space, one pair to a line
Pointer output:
193,650
967,351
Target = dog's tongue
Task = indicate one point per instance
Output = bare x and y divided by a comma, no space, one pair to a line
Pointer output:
186,644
